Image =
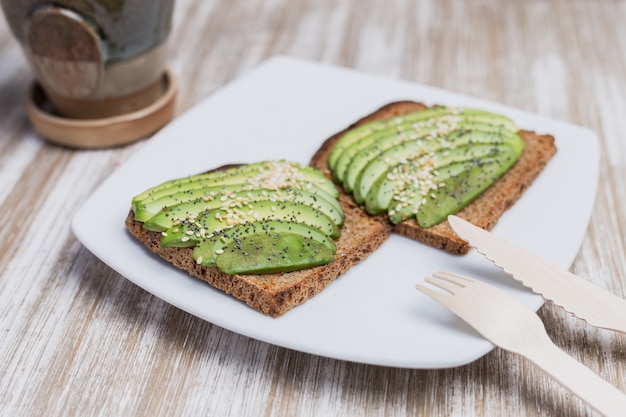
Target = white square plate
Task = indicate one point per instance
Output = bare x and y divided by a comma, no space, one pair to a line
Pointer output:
373,314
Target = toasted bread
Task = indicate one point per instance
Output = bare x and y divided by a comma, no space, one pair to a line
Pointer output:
274,294
487,208
361,234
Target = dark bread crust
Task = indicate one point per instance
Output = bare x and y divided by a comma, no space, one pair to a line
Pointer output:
487,208
274,294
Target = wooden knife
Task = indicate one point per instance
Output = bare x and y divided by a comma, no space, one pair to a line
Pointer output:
583,299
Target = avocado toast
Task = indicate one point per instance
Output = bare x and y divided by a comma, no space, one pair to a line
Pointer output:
483,209
340,237
485,178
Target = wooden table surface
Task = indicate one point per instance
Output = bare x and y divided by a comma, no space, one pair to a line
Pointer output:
77,339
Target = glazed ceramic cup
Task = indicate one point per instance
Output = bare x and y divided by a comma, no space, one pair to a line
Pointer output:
94,58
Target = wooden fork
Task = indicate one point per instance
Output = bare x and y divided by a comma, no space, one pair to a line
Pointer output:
509,324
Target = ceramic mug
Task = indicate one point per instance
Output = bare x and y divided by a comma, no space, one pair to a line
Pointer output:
94,58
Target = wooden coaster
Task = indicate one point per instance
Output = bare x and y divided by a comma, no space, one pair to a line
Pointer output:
101,132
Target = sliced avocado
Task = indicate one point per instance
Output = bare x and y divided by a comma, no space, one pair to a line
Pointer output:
273,174
356,168
407,127
412,197
464,133
287,252
356,155
499,121
463,188
317,178
356,134
398,132
407,182
263,234
426,129
265,217
166,218
290,176
182,183
145,210
376,168
432,167
183,235
189,233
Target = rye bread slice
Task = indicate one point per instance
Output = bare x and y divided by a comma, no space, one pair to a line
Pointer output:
487,208
275,294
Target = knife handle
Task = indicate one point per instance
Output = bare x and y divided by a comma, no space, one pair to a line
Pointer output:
579,379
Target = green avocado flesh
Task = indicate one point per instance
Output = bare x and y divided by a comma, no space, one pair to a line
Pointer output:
246,178
267,217
230,198
266,246
425,165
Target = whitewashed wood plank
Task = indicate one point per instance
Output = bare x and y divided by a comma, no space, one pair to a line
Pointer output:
80,340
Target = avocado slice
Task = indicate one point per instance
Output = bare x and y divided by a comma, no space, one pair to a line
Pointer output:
272,216
146,209
375,143
406,151
462,188
408,126
406,202
426,167
262,240
183,183
212,195
406,182
275,174
166,217
400,132
358,133
190,232
387,151
289,252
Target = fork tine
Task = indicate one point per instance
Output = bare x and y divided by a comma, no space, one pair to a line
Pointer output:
437,296
446,282
443,284
460,280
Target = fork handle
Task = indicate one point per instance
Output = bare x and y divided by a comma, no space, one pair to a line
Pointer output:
576,377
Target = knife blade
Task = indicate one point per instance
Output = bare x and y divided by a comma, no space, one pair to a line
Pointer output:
596,306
